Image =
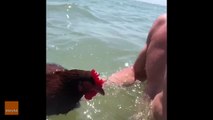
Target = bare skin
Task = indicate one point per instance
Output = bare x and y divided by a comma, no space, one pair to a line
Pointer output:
151,66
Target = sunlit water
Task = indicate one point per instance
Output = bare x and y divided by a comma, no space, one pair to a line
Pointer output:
119,103
106,35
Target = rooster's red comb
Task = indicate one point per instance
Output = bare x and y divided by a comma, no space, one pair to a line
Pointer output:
99,82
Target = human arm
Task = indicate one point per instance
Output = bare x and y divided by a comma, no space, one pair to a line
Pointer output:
127,76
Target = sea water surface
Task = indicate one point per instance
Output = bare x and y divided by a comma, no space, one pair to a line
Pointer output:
106,35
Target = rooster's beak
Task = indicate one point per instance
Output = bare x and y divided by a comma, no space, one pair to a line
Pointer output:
99,90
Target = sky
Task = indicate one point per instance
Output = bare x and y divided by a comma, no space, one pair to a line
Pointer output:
161,2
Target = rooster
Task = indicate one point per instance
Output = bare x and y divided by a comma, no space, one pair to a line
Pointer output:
65,88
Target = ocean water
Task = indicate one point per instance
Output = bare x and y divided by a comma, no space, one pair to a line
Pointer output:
106,35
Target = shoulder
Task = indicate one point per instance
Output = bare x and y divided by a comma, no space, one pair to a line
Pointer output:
161,20
158,23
